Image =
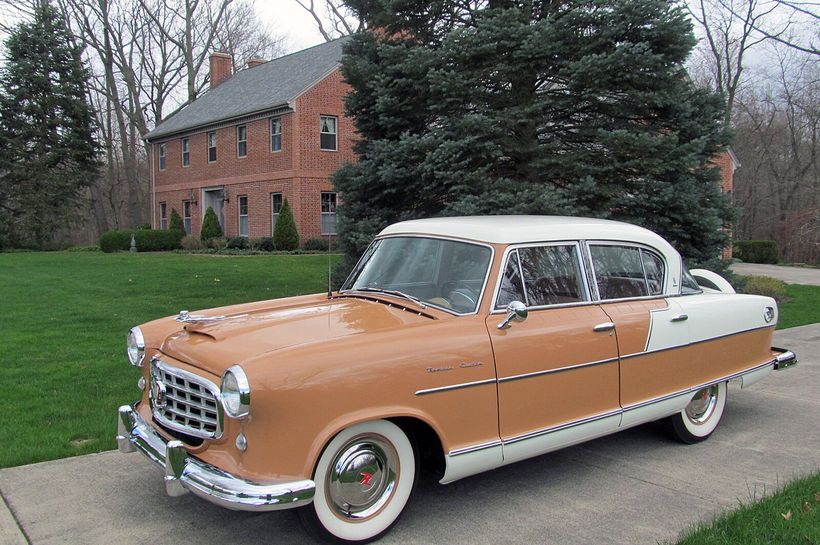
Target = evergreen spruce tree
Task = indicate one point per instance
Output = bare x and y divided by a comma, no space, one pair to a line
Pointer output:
176,223
210,226
285,235
47,146
573,107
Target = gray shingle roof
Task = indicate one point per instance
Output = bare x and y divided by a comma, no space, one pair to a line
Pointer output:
257,89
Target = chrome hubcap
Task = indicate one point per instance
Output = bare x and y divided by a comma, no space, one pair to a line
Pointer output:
362,477
702,406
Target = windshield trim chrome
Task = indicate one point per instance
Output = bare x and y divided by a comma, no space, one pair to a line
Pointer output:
479,301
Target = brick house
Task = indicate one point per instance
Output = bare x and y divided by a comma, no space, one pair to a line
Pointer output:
275,130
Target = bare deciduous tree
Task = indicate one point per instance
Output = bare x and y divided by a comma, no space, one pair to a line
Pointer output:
332,17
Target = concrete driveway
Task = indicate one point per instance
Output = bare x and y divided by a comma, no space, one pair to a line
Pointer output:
790,275
633,487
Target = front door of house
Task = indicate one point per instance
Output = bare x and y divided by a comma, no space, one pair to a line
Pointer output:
215,199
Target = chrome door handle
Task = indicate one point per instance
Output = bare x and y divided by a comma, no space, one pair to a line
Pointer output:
606,326
679,318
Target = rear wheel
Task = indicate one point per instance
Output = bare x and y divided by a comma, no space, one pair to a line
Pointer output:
364,479
701,416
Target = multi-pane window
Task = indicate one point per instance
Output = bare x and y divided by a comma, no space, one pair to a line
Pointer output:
163,215
241,140
275,208
186,152
212,146
162,156
186,216
622,272
328,213
543,275
243,215
276,134
328,130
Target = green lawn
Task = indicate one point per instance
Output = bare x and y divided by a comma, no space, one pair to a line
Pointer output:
789,517
63,321
802,307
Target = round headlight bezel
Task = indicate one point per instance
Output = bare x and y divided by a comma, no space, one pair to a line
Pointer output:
135,347
235,393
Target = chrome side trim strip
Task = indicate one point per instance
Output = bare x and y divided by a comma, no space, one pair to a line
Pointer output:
556,370
560,427
474,448
698,387
455,387
636,354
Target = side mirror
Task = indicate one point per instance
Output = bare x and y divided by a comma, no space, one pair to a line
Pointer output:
516,312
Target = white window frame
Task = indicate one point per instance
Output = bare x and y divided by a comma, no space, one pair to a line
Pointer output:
328,214
240,215
278,121
275,215
185,146
240,141
162,150
163,215
187,217
335,133
210,147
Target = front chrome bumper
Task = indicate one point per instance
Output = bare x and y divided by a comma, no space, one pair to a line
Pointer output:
184,473
785,359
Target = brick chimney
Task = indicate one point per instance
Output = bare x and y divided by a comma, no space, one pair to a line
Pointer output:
255,61
220,67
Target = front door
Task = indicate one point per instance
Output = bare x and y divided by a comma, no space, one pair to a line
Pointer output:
558,369
215,198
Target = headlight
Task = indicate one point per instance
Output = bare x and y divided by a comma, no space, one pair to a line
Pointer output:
135,347
236,393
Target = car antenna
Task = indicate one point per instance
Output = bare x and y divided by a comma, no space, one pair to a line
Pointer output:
329,288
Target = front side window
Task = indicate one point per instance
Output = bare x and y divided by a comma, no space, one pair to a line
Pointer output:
275,208
276,134
328,213
243,215
543,275
212,146
618,270
328,133
186,216
242,141
162,156
186,152
444,273
163,215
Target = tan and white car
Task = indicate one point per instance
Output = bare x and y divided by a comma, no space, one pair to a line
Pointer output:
456,345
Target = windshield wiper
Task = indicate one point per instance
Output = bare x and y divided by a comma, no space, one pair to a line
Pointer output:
397,293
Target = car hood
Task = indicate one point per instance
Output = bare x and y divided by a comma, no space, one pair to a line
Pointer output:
215,346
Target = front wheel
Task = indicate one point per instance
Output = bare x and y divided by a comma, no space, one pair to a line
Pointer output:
701,416
364,479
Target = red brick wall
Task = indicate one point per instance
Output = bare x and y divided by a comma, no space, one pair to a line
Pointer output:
726,165
300,171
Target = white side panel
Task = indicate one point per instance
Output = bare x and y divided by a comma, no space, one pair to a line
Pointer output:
665,332
750,378
527,448
717,314
655,411
471,463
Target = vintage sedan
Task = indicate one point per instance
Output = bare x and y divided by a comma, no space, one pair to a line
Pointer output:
457,345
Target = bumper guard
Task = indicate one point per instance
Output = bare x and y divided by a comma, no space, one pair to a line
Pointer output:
785,358
184,473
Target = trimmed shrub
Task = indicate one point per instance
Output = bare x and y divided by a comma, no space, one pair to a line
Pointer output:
756,251
318,244
765,285
238,243
266,244
144,227
191,242
217,243
285,235
159,240
176,223
210,225
116,240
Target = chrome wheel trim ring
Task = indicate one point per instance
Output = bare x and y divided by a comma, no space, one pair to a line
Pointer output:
362,477
702,406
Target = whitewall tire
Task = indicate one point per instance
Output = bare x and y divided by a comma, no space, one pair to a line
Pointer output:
364,478
701,416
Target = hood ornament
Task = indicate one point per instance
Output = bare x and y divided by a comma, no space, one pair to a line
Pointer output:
187,318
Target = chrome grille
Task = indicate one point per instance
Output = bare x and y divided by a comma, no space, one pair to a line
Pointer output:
185,402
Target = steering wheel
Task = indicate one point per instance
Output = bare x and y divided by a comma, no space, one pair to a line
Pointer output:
460,294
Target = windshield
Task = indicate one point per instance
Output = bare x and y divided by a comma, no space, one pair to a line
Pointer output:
443,273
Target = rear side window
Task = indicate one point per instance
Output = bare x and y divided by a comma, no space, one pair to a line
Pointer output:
654,269
618,270
688,284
